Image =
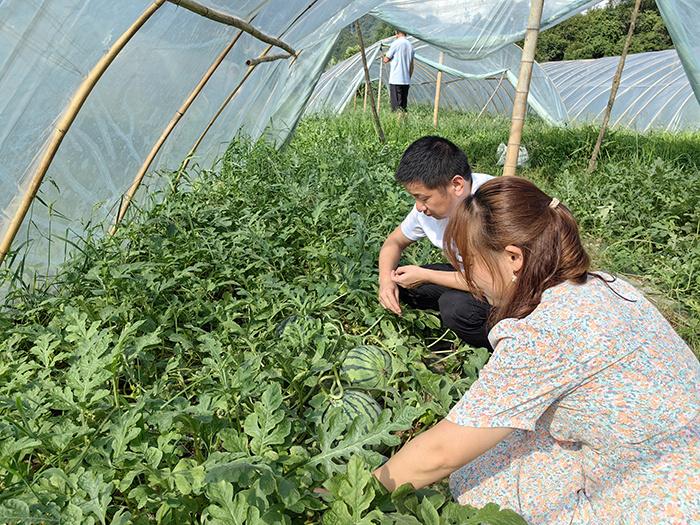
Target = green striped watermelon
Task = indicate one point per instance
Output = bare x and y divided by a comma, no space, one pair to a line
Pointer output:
367,367
353,404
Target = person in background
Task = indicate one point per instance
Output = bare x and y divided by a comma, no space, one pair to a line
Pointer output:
437,175
400,56
588,411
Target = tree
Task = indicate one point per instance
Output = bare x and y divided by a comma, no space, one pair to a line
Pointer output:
372,28
601,32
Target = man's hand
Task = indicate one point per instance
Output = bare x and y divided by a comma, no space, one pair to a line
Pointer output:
389,295
389,257
409,276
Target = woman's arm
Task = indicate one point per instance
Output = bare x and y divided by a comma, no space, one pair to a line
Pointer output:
436,453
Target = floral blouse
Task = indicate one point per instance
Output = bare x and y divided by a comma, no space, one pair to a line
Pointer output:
605,397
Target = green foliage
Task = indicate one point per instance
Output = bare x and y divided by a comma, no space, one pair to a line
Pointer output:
179,372
353,493
601,32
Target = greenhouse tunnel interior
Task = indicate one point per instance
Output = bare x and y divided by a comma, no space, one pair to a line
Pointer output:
48,49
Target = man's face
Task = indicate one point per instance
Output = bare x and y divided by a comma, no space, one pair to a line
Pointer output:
438,202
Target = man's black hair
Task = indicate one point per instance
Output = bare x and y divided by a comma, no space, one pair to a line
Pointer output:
432,161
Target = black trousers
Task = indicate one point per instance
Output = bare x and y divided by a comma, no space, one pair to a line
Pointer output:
460,311
398,94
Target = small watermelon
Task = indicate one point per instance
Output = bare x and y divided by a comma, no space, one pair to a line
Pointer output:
367,367
353,404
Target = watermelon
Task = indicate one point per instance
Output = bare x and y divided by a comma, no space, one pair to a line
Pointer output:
367,367
353,404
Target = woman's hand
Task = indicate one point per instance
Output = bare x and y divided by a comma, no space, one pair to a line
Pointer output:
409,276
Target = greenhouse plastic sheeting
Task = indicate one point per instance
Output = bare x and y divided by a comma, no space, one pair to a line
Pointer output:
48,47
654,91
482,28
681,18
467,85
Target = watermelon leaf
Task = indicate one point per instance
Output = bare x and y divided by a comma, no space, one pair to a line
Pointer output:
334,447
267,425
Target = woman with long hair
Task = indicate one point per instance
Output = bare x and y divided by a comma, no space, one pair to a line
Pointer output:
587,411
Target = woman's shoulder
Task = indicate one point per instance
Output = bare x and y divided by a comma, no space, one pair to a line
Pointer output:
569,308
600,292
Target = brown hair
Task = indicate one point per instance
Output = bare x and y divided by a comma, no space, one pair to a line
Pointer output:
513,211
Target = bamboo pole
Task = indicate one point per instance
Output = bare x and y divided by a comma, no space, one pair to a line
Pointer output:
166,132
593,162
379,89
364,100
368,90
523,87
500,81
225,18
65,122
225,103
438,84
248,72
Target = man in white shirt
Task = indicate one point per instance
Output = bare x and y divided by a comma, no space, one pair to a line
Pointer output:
400,55
437,174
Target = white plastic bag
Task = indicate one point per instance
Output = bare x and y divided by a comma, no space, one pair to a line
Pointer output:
523,156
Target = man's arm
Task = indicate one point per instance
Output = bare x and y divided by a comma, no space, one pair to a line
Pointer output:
437,453
410,68
389,257
389,54
412,276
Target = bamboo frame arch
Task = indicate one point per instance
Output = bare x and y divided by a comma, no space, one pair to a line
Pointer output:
221,109
368,87
498,86
65,122
129,195
252,63
438,87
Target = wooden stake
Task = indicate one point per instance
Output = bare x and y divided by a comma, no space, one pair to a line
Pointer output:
364,100
379,89
166,133
270,58
593,162
438,84
500,81
65,122
521,91
239,23
368,90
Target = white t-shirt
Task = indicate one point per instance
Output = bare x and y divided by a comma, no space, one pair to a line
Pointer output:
417,225
401,53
